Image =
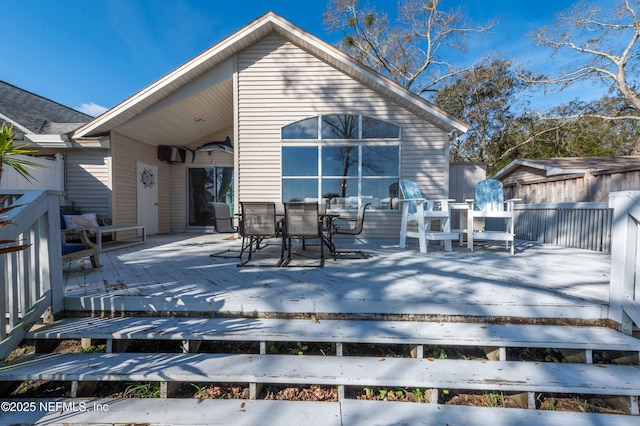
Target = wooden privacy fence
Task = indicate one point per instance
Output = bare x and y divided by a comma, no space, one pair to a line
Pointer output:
50,174
31,279
578,225
624,291
591,186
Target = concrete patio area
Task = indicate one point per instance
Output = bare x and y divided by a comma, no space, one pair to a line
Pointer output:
175,275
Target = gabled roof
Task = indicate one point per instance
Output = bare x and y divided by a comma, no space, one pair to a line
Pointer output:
570,165
33,114
240,40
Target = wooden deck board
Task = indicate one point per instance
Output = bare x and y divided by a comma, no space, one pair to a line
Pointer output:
179,412
507,376
247,412
338,331
175,273
367,413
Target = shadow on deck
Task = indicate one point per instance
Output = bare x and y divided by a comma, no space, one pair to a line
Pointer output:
174,275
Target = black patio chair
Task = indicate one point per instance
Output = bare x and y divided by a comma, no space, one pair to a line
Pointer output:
258,222
349,226
301,220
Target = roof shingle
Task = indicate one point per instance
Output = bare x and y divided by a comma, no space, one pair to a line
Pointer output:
36,113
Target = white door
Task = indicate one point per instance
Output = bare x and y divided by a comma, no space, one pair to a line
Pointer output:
147,176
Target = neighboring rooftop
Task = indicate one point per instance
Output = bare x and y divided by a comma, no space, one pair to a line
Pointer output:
570,165
34,114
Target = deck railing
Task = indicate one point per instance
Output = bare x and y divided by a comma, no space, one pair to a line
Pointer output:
579,225
624,289
31,279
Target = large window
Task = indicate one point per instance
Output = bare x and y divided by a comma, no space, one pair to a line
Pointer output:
342,177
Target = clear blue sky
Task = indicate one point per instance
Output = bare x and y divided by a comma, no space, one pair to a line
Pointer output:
99,52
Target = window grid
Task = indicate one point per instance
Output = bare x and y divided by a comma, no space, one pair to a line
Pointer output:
286,129
359,178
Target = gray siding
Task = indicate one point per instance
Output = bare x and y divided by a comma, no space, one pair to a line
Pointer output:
279,83
87,181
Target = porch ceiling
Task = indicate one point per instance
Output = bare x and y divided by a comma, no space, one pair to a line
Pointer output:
186,120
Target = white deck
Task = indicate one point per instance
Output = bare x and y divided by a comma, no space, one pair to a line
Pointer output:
175,273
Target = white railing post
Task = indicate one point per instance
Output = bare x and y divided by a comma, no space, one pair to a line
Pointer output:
55,253
623,291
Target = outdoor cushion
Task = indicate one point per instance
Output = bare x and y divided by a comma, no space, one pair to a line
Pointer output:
68,248
87,220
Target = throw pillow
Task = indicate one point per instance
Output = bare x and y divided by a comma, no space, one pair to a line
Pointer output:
87,220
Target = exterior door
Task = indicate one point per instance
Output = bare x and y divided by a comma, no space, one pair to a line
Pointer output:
147,176
207,185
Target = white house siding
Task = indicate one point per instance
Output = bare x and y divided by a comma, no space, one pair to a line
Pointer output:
126,152
279,83
87,181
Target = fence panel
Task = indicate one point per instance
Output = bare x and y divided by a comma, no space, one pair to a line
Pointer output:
50,174
578,225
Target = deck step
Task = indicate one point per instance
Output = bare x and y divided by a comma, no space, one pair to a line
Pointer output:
245,412
506,376
340,331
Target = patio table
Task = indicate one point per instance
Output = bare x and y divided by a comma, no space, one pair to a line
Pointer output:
326,220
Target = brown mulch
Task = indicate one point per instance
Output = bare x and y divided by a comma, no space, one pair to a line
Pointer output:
593,404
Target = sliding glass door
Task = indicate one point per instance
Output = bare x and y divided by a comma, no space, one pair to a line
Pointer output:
208,185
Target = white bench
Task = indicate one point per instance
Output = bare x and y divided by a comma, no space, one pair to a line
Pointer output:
141,236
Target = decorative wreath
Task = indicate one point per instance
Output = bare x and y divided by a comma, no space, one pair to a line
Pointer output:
147,178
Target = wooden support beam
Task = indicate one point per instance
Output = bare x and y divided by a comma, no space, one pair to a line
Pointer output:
417,351
169,389
525,400
80,389
254,390
191,346
494,353
340,392
339,348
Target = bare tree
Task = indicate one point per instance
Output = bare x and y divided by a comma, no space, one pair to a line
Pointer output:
420,39
604,42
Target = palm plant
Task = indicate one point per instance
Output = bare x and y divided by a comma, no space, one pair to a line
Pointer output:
8,152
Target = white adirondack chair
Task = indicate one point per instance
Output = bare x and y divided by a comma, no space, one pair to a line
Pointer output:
489,203
416,208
